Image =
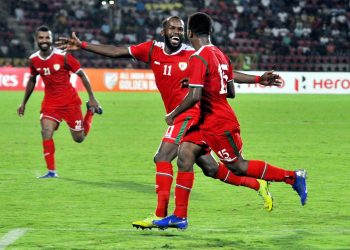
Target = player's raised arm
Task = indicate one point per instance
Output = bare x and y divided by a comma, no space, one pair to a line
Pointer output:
29,90
269,78
74,43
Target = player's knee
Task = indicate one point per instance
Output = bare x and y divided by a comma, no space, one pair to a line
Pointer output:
237,168
46,133
185,164
210,172
79,139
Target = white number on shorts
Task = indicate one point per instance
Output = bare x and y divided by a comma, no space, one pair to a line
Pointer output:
223,154
169,132
78,124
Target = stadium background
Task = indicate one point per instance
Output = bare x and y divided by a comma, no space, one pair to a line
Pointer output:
308,35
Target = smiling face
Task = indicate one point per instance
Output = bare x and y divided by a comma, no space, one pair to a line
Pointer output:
174,33
44,40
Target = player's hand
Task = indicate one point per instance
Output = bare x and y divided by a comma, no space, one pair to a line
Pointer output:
270,78
20,110
93,104
184,83
169,119
67,43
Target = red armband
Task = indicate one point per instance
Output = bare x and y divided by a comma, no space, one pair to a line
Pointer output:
257,79
84,44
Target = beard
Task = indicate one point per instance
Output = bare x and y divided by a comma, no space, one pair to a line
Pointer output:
44,46
170,45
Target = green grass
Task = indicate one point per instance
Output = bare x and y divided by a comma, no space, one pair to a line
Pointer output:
108,181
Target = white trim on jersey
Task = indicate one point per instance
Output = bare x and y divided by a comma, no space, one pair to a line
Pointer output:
76,72
195,85
183,47
51,118
54,51
201,48
129,49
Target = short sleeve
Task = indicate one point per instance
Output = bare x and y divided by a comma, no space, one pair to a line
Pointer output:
72,63
197,71
142,51
32,69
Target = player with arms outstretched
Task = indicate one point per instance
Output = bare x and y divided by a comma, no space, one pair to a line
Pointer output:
168,61
61,100
210,76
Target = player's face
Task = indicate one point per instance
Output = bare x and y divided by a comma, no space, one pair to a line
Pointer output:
44,40
174,33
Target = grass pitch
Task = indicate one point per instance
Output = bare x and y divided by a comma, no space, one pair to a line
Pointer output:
108,181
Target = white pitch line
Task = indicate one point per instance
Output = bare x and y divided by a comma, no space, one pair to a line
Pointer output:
11,237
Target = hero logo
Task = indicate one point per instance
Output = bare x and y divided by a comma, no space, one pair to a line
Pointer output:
8,80
298,84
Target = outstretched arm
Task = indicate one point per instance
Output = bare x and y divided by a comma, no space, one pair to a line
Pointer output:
29,90
269,78
193,96
93,103
74,43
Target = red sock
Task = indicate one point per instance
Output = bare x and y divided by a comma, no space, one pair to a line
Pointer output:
88,121
184,183
164,179
225,175
49,154
265,171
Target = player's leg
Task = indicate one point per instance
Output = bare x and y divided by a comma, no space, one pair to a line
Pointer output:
89,115
166,152
219,171
164,175
187,154
74,118
48,126
256,168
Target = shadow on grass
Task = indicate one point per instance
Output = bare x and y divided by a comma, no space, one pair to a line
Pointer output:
117,184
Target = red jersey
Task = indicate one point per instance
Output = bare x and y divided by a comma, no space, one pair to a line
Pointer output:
55,72
168,69
211,69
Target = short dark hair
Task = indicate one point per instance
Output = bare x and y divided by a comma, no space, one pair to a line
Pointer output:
165,21
200,24
43,28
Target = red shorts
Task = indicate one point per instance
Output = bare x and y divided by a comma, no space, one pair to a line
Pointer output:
195,136
72,115
182,123
227,146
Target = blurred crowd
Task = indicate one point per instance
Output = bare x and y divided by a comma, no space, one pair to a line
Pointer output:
257,34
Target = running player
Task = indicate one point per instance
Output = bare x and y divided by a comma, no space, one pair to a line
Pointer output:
61,100
168,61
210,75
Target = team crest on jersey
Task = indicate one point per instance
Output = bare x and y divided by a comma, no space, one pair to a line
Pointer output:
56,67
183,65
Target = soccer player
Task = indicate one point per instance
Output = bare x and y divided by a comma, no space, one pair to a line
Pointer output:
61,100
168,61
210,74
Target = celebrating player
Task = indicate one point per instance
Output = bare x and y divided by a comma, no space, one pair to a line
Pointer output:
61,100
210,74
168,61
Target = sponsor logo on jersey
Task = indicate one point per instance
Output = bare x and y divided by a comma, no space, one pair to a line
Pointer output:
183,65
56,67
